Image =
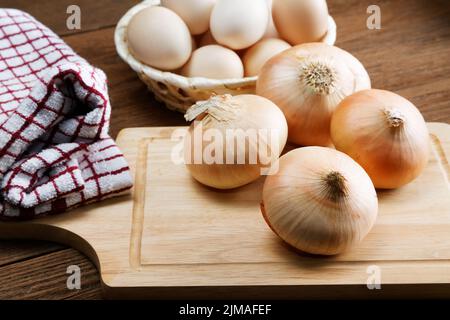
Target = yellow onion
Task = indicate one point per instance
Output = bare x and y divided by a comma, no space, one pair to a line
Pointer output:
307,82
234,140
385,133
320,201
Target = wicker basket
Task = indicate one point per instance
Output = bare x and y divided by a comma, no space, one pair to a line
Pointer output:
178,92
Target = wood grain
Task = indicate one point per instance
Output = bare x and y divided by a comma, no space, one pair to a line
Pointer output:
186,236
53,13
15,251
408,55
45,277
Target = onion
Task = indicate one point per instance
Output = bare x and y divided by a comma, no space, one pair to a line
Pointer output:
307,82
384,133
234,140
320,201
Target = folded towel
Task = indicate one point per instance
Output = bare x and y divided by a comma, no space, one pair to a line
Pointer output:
55,151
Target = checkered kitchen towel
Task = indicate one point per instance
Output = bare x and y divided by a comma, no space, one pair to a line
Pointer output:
55,152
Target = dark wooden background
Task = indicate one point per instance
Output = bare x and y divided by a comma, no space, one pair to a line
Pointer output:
409,55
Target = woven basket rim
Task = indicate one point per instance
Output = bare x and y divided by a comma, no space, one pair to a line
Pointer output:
176,79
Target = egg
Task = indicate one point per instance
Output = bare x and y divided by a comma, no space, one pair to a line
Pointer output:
195,13
206,39
159,38
271,30
214,62
256,56
300,21
239,24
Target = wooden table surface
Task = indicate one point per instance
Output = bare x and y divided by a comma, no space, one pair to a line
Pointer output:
410,55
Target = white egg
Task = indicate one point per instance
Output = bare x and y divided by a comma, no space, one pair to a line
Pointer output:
195,13
239,24
256,56
158,37
214,62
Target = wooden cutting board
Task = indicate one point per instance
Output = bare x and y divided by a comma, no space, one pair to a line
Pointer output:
174,238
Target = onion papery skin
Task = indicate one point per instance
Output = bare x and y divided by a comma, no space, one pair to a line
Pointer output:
248,112
385,133
307,82
302,208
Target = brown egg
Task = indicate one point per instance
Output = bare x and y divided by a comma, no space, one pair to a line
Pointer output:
195,13
300,21
214,62
158,37
260,53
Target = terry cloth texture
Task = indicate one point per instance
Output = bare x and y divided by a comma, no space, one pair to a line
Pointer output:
55,151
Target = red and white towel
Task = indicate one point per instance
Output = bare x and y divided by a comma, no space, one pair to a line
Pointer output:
55,151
